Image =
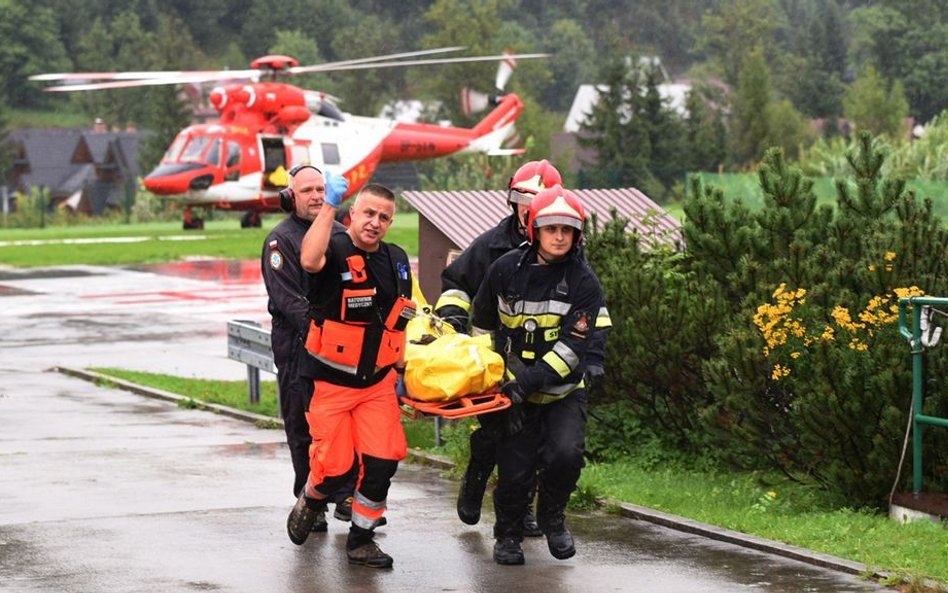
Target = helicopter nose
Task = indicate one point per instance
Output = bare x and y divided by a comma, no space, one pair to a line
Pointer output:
169,179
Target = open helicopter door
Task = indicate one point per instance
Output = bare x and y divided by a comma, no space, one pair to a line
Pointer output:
274,159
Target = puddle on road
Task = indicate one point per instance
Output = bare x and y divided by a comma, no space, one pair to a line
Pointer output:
227,271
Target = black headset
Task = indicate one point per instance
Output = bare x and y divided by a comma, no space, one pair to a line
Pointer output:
287,199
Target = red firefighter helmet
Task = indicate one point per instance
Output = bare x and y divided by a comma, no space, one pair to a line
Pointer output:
530,178
556,206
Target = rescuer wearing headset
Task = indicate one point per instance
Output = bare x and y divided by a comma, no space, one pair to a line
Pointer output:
541,302
286,283
360,297
460,282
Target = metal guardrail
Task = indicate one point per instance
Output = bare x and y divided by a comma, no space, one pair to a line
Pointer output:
249,343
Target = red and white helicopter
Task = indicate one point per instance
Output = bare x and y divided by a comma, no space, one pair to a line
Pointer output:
266,127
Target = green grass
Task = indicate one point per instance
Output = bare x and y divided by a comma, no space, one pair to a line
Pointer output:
57,118
755,504
220,239
746,187
420,433
752,503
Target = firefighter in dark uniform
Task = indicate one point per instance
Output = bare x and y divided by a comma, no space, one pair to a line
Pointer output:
541,302
460,281
286,283
360,297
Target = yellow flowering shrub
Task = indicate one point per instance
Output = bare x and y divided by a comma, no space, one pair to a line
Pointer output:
789,328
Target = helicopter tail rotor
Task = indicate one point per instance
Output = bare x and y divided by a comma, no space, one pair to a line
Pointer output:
473,101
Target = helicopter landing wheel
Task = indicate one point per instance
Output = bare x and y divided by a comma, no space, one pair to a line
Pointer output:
191,222
250,220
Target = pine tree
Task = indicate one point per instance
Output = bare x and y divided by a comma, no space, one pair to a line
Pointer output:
749,124
705,134
618,137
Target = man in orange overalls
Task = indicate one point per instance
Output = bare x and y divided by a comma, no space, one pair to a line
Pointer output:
360,298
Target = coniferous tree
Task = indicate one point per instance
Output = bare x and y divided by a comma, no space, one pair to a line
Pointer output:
665,136
750,128
614,132
872,105
705,134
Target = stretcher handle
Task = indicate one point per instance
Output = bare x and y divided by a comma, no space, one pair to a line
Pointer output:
464,406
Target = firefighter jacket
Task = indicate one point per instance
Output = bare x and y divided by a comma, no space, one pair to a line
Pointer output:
543,317
360,303
286,283
461,279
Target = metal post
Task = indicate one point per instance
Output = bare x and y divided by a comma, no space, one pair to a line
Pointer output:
42,206
253,384
917,376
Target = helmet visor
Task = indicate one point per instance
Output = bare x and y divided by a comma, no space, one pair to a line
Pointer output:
516,196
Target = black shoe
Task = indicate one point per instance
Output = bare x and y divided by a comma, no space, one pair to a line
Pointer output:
320,525
370,555
301,520
471,494
560,542
530,527
343,510
507,551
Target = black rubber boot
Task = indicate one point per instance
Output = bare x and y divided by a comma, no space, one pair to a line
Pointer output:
552,520
507,551
471,494
530,527
560,542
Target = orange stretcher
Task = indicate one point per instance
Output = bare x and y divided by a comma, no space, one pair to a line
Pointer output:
464,406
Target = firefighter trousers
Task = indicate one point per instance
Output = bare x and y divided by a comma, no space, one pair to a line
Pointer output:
549,449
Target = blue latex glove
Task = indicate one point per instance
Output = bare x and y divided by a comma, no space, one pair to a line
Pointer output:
336,187
400,389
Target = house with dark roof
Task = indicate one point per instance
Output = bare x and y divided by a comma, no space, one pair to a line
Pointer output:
82,169
449,221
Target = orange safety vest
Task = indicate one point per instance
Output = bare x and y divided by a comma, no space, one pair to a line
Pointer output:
344,328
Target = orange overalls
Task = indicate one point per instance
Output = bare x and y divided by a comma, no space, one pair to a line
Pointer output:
354,342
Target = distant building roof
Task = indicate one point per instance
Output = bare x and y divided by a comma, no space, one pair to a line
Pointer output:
65,159
587,95
463,215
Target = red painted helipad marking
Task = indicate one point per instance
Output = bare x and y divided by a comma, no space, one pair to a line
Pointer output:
224,271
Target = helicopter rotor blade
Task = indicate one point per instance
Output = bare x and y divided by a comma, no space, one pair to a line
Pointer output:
432,61
335,65
153,75
125,84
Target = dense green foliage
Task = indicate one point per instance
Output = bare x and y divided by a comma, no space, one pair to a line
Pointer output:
772,340
813,53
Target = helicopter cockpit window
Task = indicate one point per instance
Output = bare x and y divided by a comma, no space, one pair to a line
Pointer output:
174,150
330,154
194,149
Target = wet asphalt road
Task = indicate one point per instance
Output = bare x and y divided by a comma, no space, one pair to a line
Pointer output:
102,490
